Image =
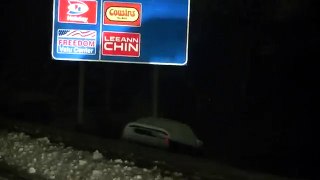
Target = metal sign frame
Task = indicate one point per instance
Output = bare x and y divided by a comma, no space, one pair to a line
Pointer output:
68,32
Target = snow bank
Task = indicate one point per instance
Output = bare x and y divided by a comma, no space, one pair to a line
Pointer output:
54,161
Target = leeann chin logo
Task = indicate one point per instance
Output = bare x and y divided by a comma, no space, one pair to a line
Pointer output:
77,7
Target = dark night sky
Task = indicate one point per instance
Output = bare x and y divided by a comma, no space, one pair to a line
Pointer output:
248,89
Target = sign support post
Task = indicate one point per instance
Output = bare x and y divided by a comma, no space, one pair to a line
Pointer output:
81,75
155,91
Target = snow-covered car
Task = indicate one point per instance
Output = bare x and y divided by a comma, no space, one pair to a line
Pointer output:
163,133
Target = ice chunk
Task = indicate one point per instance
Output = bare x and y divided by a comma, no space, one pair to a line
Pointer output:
21,135
52,176
158,177
118,161
96,173
127,168
32,170
178,174
97,155
167,178
44,140
82,162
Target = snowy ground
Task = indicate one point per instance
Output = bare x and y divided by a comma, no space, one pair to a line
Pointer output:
39,158
55,161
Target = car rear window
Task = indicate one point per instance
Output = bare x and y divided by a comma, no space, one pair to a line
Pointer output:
148,131
144,132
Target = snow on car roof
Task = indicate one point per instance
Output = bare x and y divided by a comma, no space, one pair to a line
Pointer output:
178,131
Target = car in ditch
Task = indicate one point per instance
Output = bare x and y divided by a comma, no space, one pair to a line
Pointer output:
163,133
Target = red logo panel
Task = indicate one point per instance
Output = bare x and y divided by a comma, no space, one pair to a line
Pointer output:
78,11
121,44
122,14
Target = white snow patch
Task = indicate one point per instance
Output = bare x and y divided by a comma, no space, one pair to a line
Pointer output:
97,155
82,162
96,173
167,178
54,161
32,170
44,140
178,174
119,161
138,177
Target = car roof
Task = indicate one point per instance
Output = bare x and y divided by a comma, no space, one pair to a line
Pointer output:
161,122
177,130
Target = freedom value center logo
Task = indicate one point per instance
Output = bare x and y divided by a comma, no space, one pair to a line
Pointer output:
78,11
71,41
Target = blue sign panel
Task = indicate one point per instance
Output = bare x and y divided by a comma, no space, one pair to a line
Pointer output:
128,31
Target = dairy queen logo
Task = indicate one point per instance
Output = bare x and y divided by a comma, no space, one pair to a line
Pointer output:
77,7
77,11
